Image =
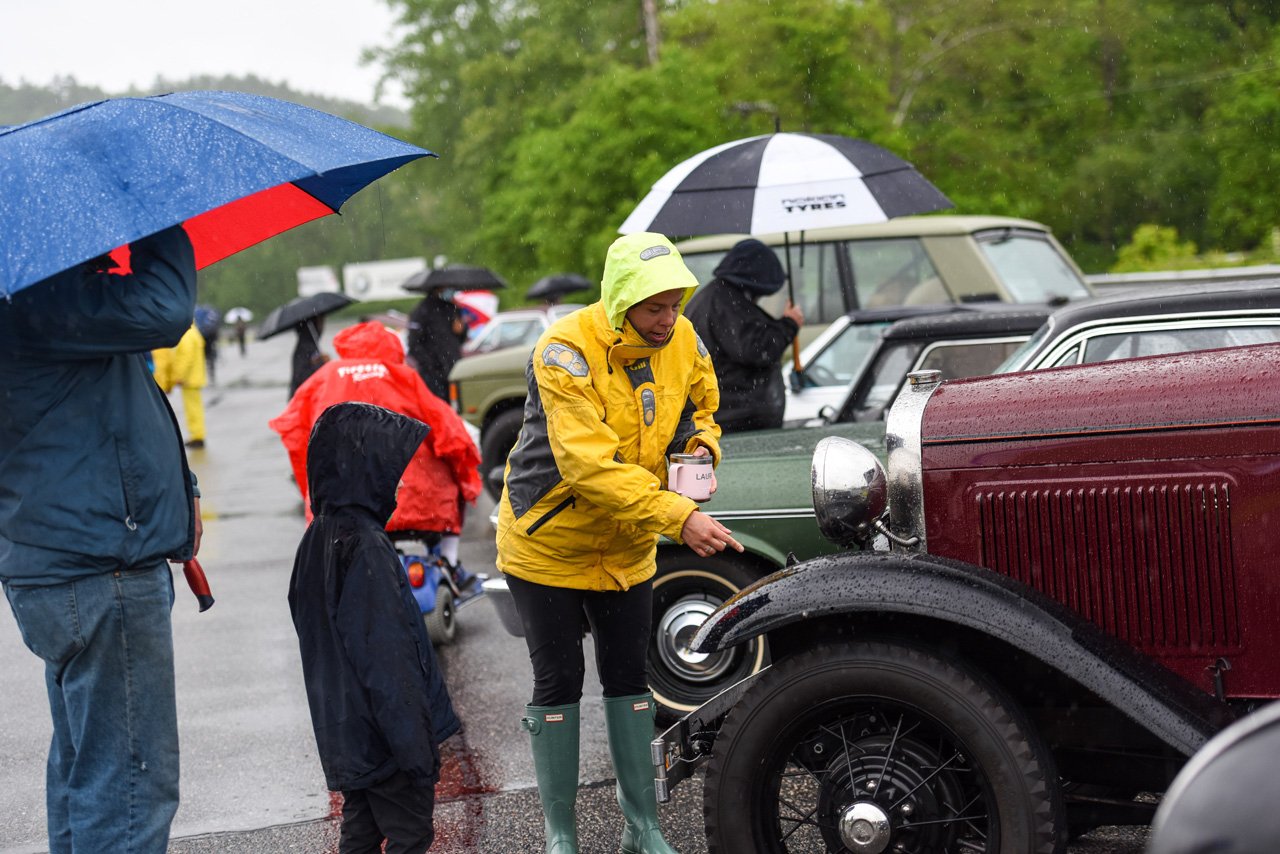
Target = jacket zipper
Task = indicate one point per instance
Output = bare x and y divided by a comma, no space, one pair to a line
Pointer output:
571,501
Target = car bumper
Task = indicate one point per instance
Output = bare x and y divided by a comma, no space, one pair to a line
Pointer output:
497,592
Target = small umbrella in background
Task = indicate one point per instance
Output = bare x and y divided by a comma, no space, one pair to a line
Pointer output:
457,276
286,317
552,288
237,314
784,182
232,168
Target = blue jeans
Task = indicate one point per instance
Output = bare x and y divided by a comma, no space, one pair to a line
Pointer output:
107,644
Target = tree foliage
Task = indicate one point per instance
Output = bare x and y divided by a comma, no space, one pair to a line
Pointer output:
1094,116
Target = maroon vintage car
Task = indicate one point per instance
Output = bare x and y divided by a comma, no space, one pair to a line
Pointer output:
1060,586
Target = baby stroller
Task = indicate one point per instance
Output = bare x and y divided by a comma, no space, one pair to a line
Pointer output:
439,587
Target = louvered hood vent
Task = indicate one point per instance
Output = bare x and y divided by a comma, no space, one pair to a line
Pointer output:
1150,562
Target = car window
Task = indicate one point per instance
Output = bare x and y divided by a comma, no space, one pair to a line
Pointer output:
1031,267
517,332
817,288
894,272
968,358
1017,360
1128,345
845,356
1071,357
877,390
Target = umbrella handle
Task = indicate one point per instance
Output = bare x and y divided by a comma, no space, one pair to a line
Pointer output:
198,583
795,355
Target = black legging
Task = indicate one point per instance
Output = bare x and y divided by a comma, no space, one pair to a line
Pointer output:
553,625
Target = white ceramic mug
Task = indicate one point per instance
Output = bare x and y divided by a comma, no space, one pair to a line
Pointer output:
691,476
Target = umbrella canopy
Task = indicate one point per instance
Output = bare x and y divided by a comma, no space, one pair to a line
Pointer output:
237,314
233,168
783,182
557,285
457,276
300,310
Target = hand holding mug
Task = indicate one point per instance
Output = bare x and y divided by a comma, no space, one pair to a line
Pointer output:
692,475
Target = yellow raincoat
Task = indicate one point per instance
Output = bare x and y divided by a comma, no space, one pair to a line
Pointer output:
585,501
184,365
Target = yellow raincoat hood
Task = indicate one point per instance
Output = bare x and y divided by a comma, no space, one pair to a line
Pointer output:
637,267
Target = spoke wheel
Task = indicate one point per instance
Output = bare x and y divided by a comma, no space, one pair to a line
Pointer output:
686,590
875,747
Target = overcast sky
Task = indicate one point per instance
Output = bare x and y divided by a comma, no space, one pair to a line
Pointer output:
313,45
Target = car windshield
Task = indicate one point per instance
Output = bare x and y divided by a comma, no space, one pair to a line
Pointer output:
1031,267
843,359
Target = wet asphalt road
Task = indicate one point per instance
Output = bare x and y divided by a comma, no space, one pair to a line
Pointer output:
250,778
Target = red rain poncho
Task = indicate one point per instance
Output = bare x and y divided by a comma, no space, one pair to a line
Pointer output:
370,368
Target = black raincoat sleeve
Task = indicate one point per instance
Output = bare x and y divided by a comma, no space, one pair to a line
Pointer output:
755,338
387,647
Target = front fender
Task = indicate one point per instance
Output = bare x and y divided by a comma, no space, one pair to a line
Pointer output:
971,596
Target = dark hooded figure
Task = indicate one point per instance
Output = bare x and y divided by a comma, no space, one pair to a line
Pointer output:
436,333
746,343
379,705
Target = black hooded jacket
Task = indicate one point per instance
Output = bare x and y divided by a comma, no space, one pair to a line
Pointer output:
746,344
378,700
434,345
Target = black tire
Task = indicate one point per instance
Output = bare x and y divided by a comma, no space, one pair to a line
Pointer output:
442,621
686,589
889,739
495,444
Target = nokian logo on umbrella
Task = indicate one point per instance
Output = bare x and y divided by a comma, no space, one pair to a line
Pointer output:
833,201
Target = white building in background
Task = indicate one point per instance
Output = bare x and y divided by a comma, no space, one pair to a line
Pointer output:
317,280
379,280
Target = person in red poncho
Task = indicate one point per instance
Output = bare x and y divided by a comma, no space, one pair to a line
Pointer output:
443,475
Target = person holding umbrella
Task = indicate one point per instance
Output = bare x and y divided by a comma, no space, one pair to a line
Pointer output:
307,355
436,334
746,343
95,497
614,389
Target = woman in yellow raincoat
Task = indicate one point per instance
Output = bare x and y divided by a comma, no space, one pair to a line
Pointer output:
614,389
184,365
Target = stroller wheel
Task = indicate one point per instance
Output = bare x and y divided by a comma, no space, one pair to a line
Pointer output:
442,621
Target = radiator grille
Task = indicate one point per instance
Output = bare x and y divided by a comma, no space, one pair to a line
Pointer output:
1151,563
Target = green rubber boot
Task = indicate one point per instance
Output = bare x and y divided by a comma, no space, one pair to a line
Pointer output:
629,721
553,735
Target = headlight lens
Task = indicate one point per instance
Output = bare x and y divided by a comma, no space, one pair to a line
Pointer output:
849,491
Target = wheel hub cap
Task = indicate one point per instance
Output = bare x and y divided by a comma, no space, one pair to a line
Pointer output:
675,633
864,828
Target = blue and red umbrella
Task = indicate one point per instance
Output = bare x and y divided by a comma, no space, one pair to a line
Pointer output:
233,168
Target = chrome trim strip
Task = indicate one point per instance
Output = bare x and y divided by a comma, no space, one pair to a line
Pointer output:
1085,332
905,468
784,513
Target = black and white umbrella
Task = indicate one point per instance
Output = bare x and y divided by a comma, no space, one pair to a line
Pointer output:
784,182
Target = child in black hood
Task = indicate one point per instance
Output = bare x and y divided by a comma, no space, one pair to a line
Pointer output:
379,705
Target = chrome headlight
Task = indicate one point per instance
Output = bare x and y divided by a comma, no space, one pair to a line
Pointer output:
849,491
